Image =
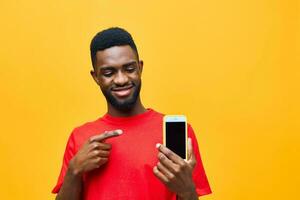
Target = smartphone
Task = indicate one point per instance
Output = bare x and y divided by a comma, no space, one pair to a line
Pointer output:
175,134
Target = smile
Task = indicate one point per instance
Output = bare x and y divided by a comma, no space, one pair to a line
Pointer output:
122,91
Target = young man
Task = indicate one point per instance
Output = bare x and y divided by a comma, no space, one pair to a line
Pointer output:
120,156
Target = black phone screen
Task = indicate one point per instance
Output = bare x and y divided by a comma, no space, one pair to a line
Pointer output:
175,138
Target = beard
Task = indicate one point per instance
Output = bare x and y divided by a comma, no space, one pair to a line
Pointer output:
124,104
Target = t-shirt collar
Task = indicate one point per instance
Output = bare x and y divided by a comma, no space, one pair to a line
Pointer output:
120,120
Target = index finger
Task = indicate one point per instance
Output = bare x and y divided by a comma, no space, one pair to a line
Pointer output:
105,135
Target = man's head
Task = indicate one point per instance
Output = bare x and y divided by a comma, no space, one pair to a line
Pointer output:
117,68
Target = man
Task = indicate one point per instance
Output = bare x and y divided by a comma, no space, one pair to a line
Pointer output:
120,156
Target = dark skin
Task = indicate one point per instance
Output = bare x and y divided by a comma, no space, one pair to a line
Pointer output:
117,71
118,67
175,172
93,154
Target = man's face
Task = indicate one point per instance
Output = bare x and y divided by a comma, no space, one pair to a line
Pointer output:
118,73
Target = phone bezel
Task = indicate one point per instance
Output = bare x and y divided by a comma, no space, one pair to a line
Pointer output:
175,118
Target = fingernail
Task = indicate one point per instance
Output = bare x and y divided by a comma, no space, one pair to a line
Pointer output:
155,169
119,131
157,145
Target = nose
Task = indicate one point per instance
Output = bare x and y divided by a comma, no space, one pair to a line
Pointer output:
120,78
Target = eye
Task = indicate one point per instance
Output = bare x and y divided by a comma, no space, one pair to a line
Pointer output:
130,69
107,73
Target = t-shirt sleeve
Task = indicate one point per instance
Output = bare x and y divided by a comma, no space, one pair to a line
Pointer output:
68,155
199,176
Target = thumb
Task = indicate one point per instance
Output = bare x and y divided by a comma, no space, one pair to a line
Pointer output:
191,156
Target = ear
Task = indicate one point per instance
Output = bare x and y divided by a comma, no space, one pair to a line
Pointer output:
141,64
94,75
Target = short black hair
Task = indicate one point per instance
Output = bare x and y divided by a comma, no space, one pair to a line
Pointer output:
110,37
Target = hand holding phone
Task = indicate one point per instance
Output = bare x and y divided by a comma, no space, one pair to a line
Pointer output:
176,159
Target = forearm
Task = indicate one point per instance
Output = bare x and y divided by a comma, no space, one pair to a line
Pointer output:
188,196
71,188
193,197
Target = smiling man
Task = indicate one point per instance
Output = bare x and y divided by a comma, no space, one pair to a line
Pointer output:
119,155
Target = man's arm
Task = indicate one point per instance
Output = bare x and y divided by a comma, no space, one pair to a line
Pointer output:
93,154
71,188
191,196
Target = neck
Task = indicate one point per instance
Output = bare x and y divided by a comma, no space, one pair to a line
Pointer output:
138,108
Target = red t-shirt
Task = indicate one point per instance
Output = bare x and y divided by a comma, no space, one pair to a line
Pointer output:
129,172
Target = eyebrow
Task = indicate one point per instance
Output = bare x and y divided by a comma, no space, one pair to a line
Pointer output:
130,63
111,67
107,68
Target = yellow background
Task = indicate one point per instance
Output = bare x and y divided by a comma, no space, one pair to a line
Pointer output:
231,66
